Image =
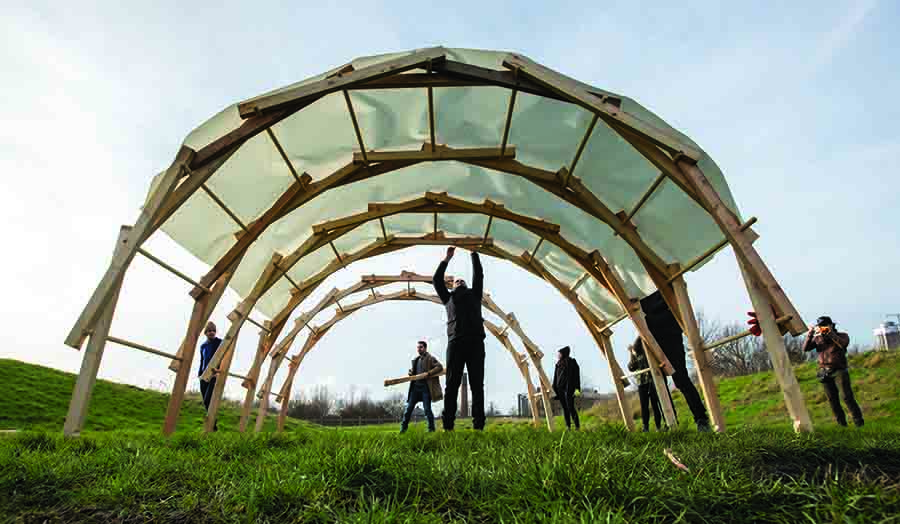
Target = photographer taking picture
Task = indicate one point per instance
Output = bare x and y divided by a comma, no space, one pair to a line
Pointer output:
831,345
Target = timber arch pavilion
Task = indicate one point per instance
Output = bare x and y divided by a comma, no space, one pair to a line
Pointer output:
584,189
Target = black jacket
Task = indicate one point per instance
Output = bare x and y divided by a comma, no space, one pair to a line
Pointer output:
464,304
566,377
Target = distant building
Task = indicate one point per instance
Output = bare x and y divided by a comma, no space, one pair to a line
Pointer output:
587,399
887,336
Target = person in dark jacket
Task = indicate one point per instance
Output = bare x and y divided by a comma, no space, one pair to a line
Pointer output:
667,332
831,345
567,385
465,339
646,388
426,390
207,350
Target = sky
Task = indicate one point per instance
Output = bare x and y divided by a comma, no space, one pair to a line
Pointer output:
796,103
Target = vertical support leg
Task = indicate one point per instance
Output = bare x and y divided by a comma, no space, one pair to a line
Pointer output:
532,396
286,398
93,354
203,308
264,395
219,390
662,391
261,350
793,397
545,392
90,365
707,384
605,343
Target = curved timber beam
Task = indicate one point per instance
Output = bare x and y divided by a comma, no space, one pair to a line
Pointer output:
370,282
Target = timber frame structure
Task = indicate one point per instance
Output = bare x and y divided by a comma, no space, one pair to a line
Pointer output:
628,128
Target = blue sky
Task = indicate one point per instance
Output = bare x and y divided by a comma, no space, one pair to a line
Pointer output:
795,103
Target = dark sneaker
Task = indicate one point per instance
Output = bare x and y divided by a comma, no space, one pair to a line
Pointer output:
704,427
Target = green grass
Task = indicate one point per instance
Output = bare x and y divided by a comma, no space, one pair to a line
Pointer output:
759,471
37,398
526,475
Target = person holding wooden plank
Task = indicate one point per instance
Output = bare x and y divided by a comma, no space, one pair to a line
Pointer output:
667,332
425,390
465,339
831,345
567,385
207,350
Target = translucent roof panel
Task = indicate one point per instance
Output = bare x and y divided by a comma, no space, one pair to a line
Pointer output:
320,140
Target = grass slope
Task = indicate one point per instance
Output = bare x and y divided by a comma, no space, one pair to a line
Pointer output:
757,399
37,398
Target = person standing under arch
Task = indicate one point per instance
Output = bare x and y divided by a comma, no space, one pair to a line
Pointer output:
465,339
425,390
567,385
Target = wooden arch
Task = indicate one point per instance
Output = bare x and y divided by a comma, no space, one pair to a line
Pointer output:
676,159
279,354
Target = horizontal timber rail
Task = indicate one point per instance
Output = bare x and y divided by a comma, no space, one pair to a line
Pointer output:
171,269
135,345
721,342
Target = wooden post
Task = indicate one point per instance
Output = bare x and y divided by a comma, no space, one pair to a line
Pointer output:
263,409
221,377
253,376
662,391
781,364
286,397
751,262
707,384
606,348
203,308
93,354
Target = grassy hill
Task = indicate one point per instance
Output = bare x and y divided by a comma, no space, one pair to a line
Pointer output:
757,399
37,398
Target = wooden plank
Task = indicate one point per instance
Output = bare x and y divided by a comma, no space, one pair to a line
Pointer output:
585,96
580,150
701,363
744,248
141,347
433,153
90,362
410,378
171,269
418,81
781,364
224,207
492,209
266,103
737,336
356,129
266,339
646,196
284,156
506,126
604,342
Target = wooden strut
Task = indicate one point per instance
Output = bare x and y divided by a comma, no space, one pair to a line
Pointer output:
141,347
359,138
171,269
284,156
223,207
709,252
737,336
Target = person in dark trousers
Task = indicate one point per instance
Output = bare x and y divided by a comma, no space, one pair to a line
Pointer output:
667,332
646,388
426,390
831,345
567,385
465,339
207,350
